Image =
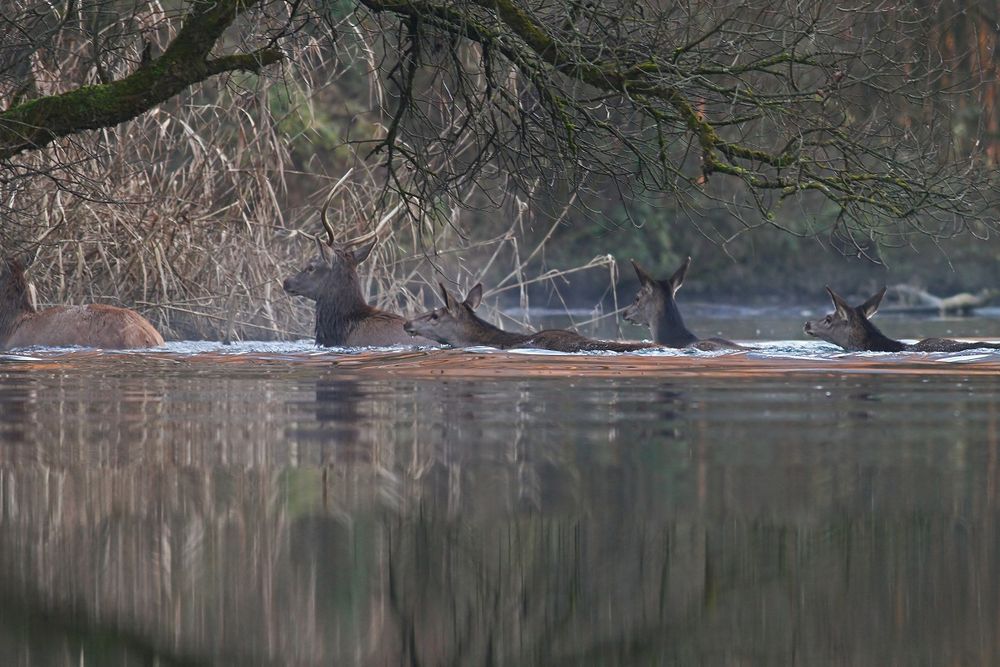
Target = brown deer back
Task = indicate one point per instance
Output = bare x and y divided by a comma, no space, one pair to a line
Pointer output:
92,325
378,328
561,340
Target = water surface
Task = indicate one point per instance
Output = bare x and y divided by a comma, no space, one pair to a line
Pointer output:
276,504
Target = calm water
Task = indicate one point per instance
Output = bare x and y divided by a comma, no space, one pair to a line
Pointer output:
276,505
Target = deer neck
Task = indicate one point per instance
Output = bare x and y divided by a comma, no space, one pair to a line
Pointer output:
338,314
874,340
669,329
484,333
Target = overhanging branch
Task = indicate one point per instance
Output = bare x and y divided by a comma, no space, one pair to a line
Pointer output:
681,96
36,123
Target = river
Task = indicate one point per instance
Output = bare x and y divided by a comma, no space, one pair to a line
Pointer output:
275,504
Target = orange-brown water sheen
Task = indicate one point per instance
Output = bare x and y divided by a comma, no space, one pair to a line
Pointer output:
496,364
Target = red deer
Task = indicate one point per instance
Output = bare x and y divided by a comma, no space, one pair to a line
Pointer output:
343,317
849,327
92,325
457,325
656,308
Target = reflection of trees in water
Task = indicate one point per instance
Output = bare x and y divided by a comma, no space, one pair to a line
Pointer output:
15,397
465,523
565,592
35,632
246,564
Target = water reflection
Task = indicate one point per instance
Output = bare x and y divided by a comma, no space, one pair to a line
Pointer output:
310,518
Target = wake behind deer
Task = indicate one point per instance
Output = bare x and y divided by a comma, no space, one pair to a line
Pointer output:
92,325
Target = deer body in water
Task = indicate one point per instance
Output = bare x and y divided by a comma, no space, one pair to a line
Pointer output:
850,328
655,307
456,324
343,317
92,325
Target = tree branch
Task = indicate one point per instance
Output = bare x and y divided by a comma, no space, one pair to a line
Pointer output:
36,123
725,96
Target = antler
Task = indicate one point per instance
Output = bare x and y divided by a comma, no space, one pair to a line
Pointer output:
327,225
373,234
359,240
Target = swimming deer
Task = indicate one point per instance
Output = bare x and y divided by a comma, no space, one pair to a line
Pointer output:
655,307
456,324
343,317
850,328
92,325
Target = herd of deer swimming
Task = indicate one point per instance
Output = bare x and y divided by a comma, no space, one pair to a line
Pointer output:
345,319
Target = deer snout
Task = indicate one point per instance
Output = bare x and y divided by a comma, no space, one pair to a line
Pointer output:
408,328
288,286
807,328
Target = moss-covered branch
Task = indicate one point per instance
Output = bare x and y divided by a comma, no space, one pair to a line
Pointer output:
36,123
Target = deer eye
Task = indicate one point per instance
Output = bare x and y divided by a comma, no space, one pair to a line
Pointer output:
434,316
828,319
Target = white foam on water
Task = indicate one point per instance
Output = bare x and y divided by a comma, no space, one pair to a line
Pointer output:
808,350
18,357
965,356
303,347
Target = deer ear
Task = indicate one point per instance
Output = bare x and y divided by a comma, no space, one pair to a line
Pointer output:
449,300
677,279
644,277
474,297
843,308
361,254
870,307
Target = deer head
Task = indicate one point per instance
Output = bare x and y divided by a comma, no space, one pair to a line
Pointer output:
332,273
655,306
848,326
453,324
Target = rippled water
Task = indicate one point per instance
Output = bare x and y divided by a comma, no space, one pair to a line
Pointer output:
278,504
